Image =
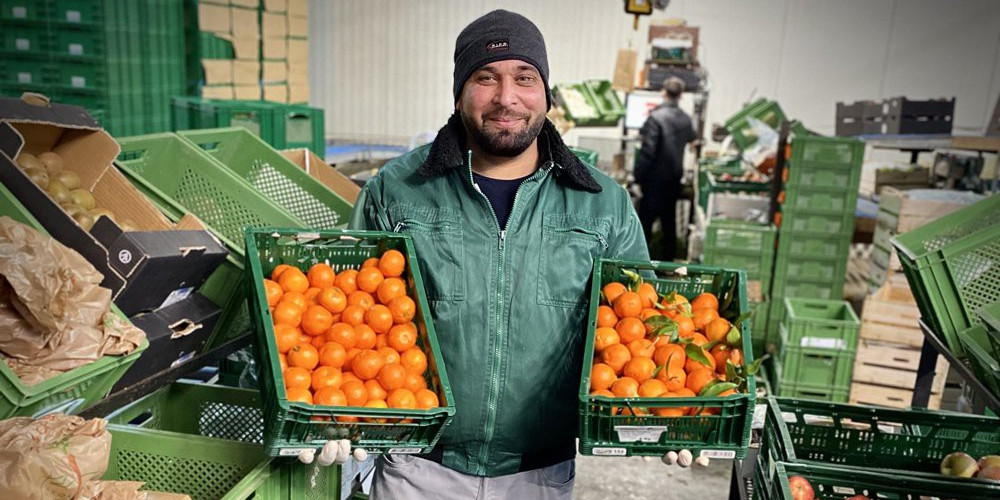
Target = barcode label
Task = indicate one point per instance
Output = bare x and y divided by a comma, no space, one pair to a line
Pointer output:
78,81
822,343
22,44
291,452
76,49
609,452
727,454
843,490
640,433
73,16
759,414
408,451
24,77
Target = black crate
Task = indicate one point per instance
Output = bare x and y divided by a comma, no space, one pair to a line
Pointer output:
859,118
904,116
657,74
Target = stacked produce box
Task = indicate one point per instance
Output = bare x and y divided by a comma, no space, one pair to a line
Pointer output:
815,356
120,60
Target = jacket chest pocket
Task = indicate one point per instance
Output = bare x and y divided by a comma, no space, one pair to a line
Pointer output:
440,250
570,245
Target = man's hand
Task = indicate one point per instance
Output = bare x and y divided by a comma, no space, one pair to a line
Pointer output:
333,452
683,459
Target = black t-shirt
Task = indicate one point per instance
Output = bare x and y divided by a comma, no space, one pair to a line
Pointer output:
501,193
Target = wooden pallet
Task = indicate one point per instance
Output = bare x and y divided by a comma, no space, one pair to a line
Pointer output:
891,315
885,374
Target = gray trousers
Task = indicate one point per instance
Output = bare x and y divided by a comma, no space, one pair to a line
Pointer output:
406,477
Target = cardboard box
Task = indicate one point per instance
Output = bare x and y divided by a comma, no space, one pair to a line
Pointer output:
298,50
298,93
323,172
276,92
142,265
246,72
245,47
245,22
217,71
273,25
176,333
298,26
274,48
246,92
299,8
298,73
276,5
217,92
213,18
250,4
274,72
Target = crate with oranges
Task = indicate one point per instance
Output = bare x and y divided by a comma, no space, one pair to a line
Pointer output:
667,363
347,347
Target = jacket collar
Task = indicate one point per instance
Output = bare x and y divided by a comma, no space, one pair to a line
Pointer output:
448,152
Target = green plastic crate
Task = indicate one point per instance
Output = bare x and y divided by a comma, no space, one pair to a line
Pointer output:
211,46
25,40
990,318
77,13
819,200
726,434
578,104
829,369
22,11
983,359
299,126
825,153
829,324
760,331
953,267
765,110
255,116
709,183
811,245
818,223
816,392
587,156
756,264
740,235
78,45
78,76
846,178
273,176
293,426
22,71
787,286
605,98
811,268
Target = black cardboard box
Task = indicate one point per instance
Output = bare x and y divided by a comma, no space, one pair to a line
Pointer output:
154,259
176,333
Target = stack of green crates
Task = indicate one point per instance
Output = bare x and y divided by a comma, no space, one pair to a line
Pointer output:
817,221
283,126
765,110
815,359
120,60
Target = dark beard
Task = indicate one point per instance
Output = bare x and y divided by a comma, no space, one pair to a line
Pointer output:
503,143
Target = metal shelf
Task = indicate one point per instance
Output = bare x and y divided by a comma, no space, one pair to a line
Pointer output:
925,373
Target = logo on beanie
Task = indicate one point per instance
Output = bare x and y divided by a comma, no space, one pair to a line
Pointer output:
497,46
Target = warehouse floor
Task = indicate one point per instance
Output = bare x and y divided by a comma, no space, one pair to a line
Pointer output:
637,478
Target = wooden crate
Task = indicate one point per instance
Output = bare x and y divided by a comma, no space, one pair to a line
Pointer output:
901,211
885,374
867,394
891,314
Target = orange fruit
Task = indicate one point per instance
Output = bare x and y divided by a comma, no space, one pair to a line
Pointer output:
332,354
641,348
646,314
612,291
286,313
273,292
640,369
346,281
361,298
648,294
675,302
603,392
330,397
299,395
392,264
673,352
706,300
285,336
685,326
414,360
303,355
353,315
722,353
293,280
379,318
392,376
698,339
297,377
311,294
651,388
370,262
316,320
628,305
351,354
605,336
321,275
333,299
377,404
367,364
403,309
616,356
601,377
691,365
402,398
280,268
389,289
717,329
673,377
402,337
317,341
629,329
415,382
369,279
704,316
375,389
606,316
389,354
365,337
349,375
297,299
666,411
325,377
355,392
625,387
343,334
380,341
426,398
697,378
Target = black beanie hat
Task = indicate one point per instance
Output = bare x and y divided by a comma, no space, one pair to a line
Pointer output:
498,36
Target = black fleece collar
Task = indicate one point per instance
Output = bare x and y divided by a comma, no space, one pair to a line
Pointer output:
448,152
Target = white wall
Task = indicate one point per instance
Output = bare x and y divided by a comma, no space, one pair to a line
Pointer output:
382,69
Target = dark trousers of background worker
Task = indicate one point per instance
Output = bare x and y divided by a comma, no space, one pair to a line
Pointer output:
660,202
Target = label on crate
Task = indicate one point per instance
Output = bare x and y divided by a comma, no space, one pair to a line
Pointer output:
24,77
843,490
788,416
78,81
73,16
19,12
723,454
640,433
405,451
177,296
609,452
292,452
22,44
759,413
821,343
76,49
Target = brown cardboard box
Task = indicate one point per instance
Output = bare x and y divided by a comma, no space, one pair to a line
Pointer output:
250,4
323,172
245,47
273,25
245,22
298,73
624,78
274,48
143,264
298,93
213,18
217,92
275,71
246,72
246,92
298,26
276,5
299,8
298,50
218,71
276,92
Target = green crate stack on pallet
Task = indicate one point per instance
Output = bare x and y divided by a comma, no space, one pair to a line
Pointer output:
739,125
120,60
816,221
815,357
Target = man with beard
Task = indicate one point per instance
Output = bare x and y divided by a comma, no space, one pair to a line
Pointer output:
507,224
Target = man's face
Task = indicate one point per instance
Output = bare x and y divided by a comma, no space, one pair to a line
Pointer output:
503,107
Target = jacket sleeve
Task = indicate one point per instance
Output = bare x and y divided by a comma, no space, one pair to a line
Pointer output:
629,242
646,163
369,213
